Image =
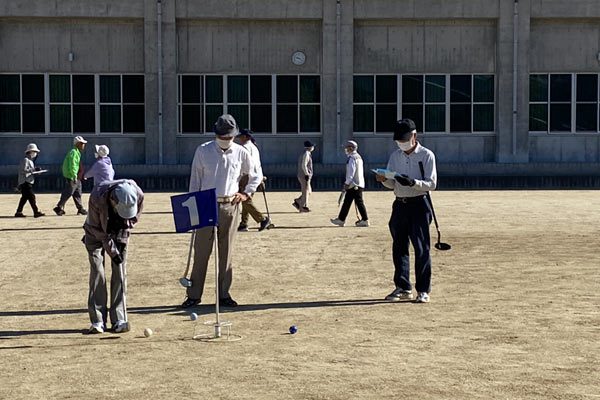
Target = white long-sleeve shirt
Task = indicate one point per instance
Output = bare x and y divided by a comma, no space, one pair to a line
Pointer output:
355,175
214,168
408,164
255,156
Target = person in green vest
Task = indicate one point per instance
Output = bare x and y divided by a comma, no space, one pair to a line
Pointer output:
72,173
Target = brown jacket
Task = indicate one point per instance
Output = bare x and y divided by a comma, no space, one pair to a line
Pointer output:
103,224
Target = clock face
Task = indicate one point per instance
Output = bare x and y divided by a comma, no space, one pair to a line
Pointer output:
298,58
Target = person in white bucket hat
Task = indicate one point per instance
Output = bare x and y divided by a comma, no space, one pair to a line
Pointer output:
71,170
102,170
27,172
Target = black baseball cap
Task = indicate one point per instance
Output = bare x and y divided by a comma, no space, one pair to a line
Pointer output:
404,128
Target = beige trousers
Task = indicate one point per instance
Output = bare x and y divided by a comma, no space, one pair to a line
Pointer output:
248,207
306,189
229,216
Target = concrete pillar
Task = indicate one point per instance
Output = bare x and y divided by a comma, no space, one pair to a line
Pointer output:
332,152
151,81
169,56
504,73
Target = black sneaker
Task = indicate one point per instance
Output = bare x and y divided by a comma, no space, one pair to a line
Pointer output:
296,205
38,214
19,215
82,212
228,302
190,303
59,211
264,224
243,228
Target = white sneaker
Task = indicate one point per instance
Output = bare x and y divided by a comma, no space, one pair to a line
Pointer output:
121,326
96,328
399,294
363,222
423,297
337,222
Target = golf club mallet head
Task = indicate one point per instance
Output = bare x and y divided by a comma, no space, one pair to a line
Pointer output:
185,282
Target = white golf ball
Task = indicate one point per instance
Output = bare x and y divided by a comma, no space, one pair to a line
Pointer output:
147,332
193,316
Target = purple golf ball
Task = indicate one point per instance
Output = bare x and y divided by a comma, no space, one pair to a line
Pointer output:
293,329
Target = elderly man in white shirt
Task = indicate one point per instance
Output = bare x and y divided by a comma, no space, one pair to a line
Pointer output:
248,208
219,164
353,186
415,176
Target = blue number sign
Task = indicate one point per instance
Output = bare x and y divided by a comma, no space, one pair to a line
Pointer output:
195,210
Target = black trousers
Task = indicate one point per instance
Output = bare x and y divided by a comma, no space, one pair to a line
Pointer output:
410,224
27,195
355,195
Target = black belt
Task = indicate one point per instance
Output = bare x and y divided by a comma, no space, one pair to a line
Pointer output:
410,199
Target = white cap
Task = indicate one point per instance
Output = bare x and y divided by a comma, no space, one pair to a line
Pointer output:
102,150
351,143
32,147
79,139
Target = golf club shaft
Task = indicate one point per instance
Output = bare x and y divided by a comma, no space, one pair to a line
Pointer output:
265,197
123,290
187,268
437,228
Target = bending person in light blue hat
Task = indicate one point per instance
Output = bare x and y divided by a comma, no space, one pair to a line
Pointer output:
114,209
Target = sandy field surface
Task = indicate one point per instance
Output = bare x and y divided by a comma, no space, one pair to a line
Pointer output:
514,312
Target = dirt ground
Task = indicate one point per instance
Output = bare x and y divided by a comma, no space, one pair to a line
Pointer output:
514,312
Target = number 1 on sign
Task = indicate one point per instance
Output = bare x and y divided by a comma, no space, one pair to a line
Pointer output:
192,207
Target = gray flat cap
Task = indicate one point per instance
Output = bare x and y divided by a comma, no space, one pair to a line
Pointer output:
226,126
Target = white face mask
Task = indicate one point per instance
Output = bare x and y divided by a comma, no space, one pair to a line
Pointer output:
96,155
404,146
224,144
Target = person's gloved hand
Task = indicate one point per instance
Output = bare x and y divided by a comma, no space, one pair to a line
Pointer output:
37,169
404,180
118,259
306,178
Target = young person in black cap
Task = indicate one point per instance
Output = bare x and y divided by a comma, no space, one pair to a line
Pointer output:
415,176
305,174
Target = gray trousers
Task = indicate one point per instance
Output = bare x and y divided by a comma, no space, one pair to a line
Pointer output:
98,294
229,216
306,189
72,188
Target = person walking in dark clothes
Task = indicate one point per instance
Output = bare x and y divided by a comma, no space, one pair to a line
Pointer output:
416,175
353,187
27,172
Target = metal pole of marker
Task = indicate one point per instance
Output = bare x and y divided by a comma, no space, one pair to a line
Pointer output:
218,321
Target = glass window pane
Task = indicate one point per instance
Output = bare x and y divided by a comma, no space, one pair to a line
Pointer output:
460,89
310,118
587,87
435,88
460,118
110,118
483,118
560,117
414,112
212,115
191,120
33,118
310,89
387,91
133,119
83,89
364,120
84,120
214,90
560,88
483,88
587,117
435,118
412,89
191,89
538,117
60,118
60,90
33,88
110,89
133,88
260,121
260,89
10,118
287,89
364,89
237,89
240,113
287,119
10,89
538,88
385,117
